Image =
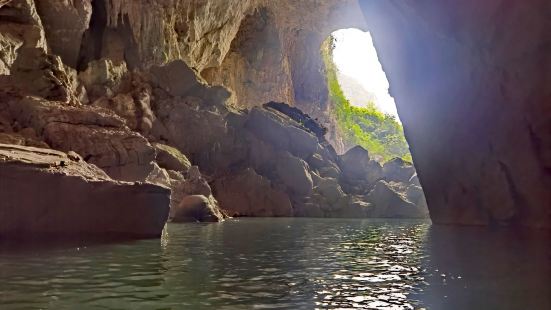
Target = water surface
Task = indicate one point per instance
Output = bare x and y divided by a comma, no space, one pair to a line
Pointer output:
286,264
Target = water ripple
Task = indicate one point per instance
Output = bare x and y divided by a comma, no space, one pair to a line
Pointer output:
248,264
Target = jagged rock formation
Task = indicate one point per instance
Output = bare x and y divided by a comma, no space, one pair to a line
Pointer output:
124,84
50,192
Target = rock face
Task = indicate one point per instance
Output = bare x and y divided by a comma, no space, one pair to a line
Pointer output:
137,125
195,208
249,194
389,202
134,87
476,112
50,192
398,170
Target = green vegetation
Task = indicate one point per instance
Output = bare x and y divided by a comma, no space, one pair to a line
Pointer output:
375,131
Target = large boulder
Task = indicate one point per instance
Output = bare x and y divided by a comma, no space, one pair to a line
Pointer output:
205,136
389,203
294,173
50,192
179,80
330,189
398,170
97,134
183,185
196,208
37,73
249,194
357,165
171,158
282,132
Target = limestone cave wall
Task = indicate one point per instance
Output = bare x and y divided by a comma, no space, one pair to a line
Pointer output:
122,82
472,85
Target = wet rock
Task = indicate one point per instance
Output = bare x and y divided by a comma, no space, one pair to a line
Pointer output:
183,185
195,208
58,184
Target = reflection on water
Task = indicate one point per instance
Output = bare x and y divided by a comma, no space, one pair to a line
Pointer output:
286,264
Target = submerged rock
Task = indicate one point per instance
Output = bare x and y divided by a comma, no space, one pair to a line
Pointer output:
49,192
195,208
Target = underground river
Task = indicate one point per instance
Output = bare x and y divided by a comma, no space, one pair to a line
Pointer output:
285,263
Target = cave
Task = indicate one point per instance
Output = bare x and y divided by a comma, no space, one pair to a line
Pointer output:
437,83
137,119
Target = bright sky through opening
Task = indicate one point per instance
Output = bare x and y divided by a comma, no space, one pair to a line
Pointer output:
355,56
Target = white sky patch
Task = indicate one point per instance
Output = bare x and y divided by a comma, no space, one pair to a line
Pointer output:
355,56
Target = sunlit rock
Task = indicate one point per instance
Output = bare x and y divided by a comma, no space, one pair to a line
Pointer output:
387,202
49,192
398,170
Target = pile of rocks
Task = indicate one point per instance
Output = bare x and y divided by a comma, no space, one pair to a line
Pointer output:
137,126
137,133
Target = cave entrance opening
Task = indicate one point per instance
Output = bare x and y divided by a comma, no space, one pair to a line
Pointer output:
364,113
363,110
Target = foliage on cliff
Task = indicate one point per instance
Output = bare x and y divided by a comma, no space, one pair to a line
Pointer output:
377,132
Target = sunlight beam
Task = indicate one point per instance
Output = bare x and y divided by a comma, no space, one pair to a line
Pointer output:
356,57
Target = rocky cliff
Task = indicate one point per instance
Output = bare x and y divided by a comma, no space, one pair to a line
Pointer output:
471,81
156,92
